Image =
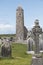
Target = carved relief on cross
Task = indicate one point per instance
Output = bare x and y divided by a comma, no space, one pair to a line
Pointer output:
37,30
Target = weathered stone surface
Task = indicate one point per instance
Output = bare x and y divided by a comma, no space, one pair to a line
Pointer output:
36,31
25,32
41,42
37,58
5,49
0,41
21,31
19,23
36,61
30,44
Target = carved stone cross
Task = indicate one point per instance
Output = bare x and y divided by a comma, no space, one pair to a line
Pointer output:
37,30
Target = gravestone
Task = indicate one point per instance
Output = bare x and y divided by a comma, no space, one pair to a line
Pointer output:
36,31
0,45
30,43
37,57
5,49
41,43
0,41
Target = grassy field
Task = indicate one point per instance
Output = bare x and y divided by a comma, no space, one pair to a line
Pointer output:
7,35
19,56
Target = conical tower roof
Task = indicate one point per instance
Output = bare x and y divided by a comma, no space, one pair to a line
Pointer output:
19,8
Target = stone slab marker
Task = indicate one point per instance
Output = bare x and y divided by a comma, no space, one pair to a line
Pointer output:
30,42
6,48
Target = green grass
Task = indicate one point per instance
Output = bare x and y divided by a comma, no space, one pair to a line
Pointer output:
19,56
7,35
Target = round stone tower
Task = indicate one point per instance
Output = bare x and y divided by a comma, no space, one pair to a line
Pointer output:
19,23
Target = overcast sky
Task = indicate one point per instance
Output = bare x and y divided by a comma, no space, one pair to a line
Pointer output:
33,9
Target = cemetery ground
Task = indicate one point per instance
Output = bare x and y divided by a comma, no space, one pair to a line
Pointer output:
19,56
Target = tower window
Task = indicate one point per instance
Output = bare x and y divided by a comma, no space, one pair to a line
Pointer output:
19,14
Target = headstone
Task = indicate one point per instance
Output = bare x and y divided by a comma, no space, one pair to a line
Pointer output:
0,45
6,49
0,41
37,57
30,43
40,43
36,31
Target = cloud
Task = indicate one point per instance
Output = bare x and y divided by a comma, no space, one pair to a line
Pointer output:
7,28
4,26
